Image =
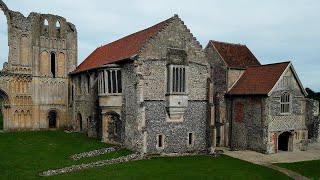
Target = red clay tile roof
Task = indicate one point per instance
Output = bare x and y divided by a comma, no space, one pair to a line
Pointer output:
259,80
121,49
235,55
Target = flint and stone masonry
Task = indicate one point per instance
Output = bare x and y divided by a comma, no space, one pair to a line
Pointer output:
155,91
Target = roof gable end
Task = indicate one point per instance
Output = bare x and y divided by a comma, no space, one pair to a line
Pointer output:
235,55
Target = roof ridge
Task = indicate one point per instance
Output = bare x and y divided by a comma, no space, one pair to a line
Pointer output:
165,21
271,64
116,51
229,43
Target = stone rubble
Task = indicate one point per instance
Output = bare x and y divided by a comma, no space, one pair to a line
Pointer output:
93,153
74,168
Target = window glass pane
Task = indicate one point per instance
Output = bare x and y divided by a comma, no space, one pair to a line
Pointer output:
173,79
103,83
177,80
181,80
119,81
109,82
184,80
114,82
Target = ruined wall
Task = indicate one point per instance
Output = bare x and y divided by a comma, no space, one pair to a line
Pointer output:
34,85
313,120
84,104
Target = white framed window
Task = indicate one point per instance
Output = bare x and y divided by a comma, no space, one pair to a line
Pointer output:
110,81
285,103
160,141
190,139
177,79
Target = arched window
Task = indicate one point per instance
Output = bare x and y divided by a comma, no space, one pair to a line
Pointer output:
58,25
285,103
46,22
53,64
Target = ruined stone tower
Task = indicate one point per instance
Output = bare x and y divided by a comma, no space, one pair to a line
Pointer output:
34,82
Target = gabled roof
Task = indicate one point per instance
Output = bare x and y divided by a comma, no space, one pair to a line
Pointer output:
260,80
235,55
122,49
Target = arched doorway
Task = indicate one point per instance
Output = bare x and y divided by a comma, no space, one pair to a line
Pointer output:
79,121
52,117
285,141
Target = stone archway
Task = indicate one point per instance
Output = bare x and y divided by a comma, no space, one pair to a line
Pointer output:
4,110
285,141
52,118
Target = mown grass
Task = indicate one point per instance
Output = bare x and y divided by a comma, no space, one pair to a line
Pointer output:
310,169
24,154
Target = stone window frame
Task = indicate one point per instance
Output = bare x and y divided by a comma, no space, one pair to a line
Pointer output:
192,139
285,99
178,87
114,82
162,141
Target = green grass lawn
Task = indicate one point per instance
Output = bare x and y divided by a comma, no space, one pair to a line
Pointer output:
24,154
194,167
310,169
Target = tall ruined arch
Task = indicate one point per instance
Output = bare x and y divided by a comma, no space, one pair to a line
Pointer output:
4,34
53,60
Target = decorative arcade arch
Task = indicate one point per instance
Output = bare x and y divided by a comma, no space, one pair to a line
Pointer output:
4,110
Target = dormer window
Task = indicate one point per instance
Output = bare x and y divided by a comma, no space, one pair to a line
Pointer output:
110,81
177,79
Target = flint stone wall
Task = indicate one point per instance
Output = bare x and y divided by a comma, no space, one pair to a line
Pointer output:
176,133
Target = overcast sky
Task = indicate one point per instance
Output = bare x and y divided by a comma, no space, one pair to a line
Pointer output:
274,30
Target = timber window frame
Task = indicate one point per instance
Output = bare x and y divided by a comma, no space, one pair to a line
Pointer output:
177,79
285,103
110,82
